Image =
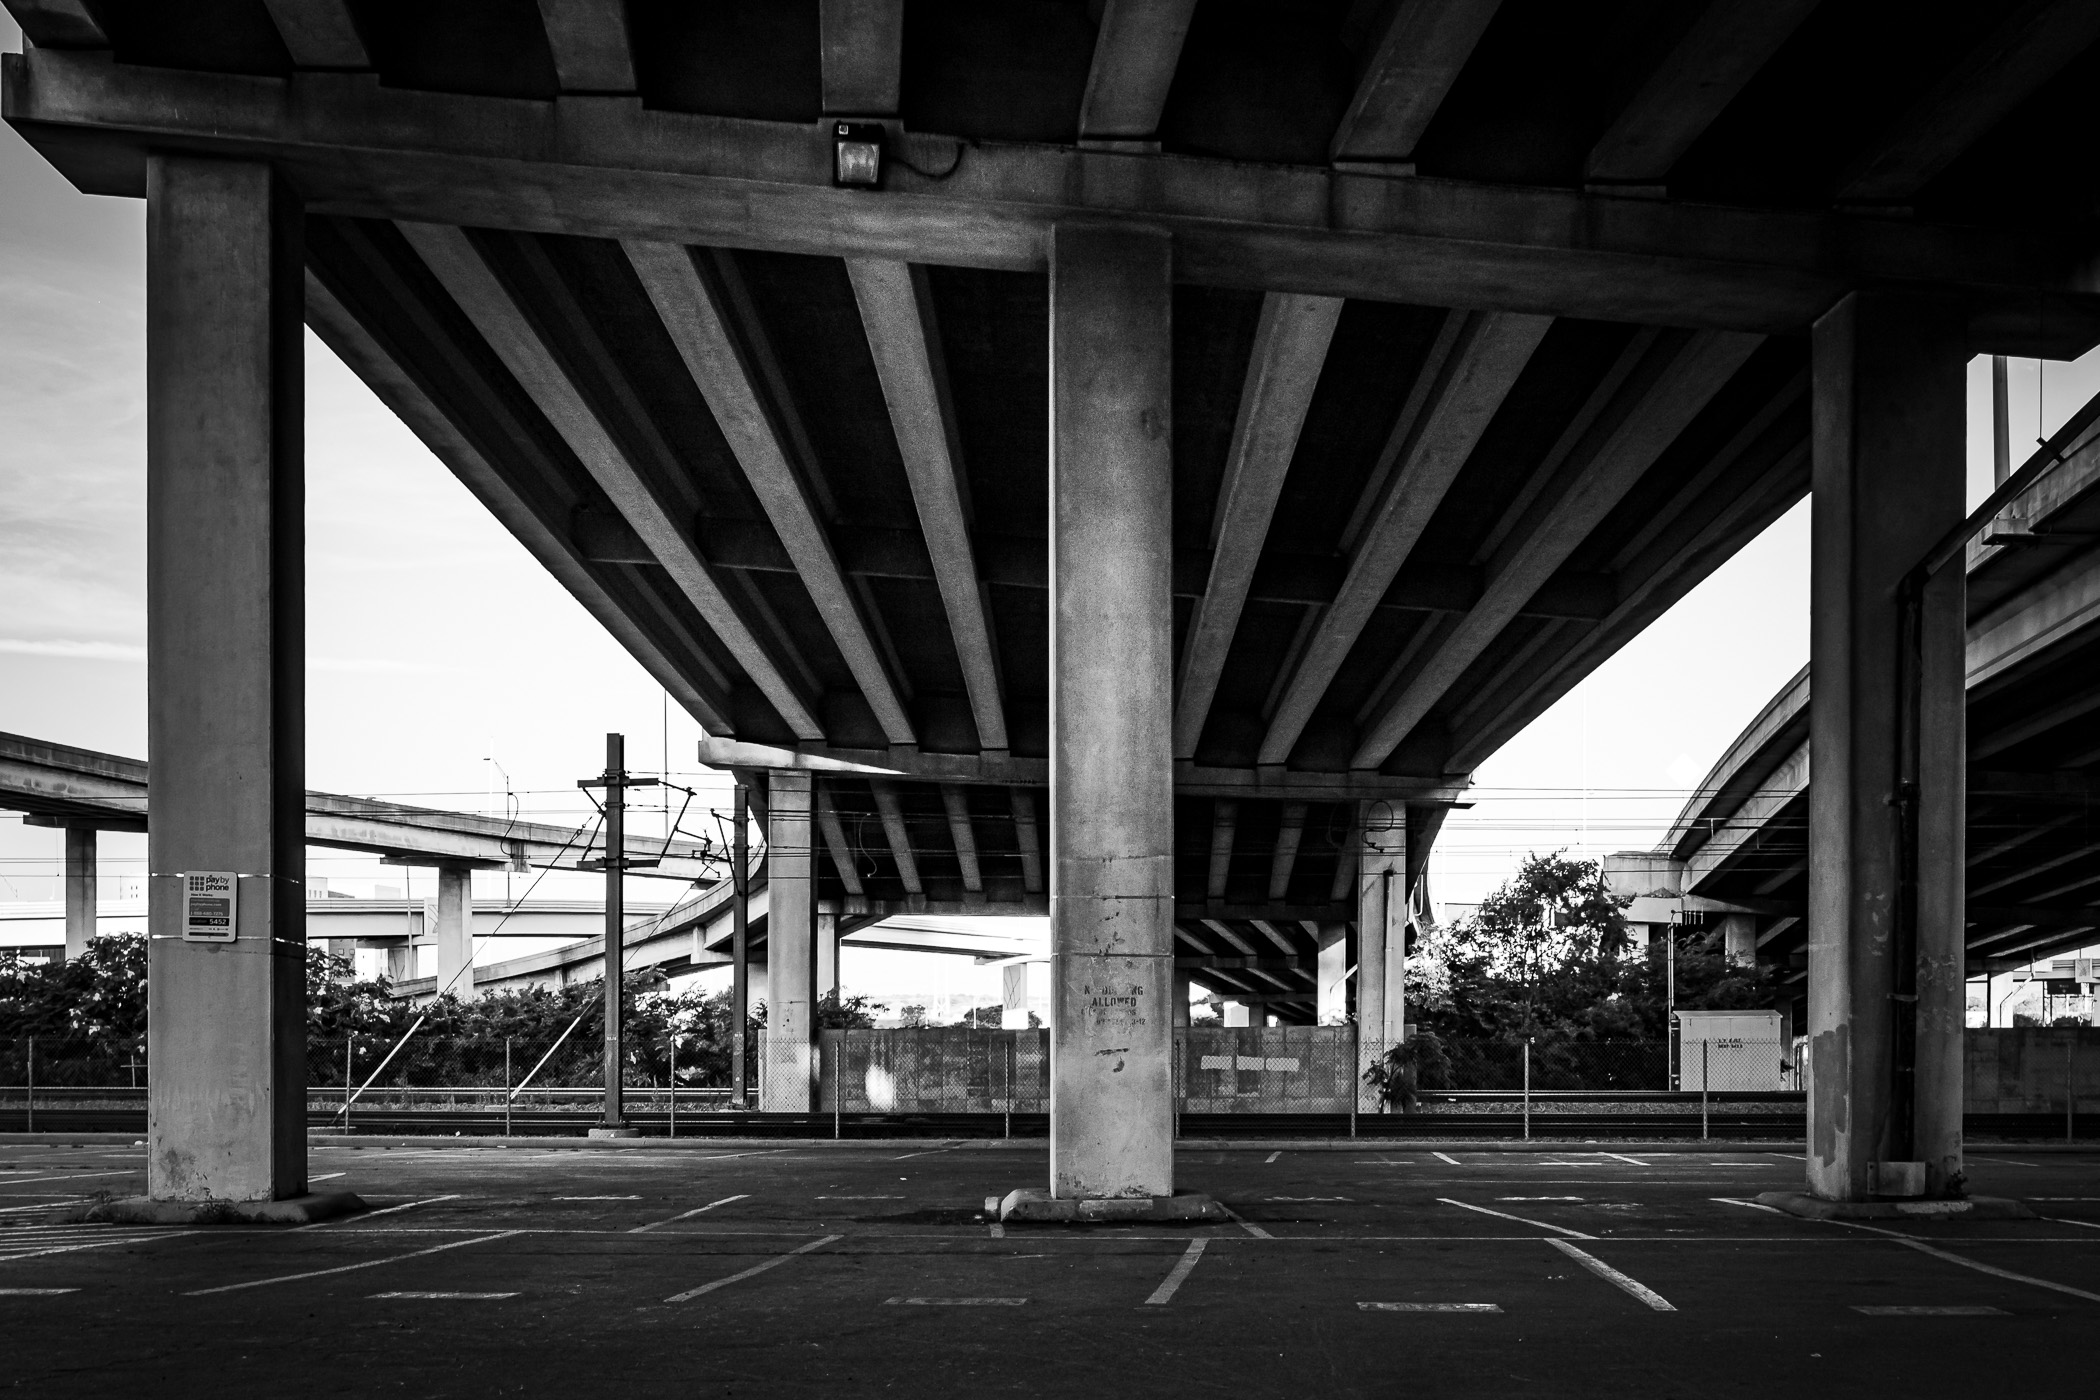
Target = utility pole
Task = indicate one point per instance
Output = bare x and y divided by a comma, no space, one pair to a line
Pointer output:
739,945
615,781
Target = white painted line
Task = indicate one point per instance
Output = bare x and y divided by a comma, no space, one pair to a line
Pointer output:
371,1214
2064,1198
1999,1161
1249,1226
696,1210
475,1296
2066,1220
1894,1310
1504,1215
1624,1158
1996,1272
927,1153
1178,1275
1538,1198
348,1268
597,1198
141,1237
1747,1205
325,1176
1441,1157
1306,1198
1610,1275
955,1302
860,1198
68,1176
34,1292
1432,1307
1270,1158
775,1262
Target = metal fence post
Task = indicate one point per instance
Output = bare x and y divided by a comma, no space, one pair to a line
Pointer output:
349,1074
1705,1079
1356,1059
2070,1081
30,1103
1527,1088
506,1086
674,1084
837,1064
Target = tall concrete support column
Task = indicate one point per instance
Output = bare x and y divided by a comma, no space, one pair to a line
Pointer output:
225,609
1739,939
788,1081
827,956
1111,713
455,930
1183,985
80,889
1381,926
1888,483
1013,988
1331,998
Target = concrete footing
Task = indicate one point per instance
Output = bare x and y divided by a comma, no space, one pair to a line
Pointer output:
293,1210
1032,1204
1969,1208
615,1132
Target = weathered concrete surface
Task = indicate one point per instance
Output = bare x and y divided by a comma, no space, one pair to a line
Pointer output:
1381,934
1971,1208
1111,666
1888,464
1188,1207
226,607
788,1074
293,1210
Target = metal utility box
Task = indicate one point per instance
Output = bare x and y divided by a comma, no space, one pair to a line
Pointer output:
1730,1052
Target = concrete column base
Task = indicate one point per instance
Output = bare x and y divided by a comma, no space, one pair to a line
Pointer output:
1034,1204
615,1132
1972,1208
293,1210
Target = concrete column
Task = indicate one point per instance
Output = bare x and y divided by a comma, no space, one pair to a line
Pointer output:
225,572
787,1084
827,956
1739,939
1111,711
1332,997
1381,924
1182,988
80,889
1888,483
455,930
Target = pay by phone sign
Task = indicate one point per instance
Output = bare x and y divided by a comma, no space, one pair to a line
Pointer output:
209,901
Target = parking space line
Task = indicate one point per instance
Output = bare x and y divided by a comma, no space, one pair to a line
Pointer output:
34,1292
2065,1220
1442,1157
927,1153
1270,1158
349,1268
1505,1215
66,1176
1999,1161
1178,1275
1624,1158
1249,1226
1996,1272
471,1296
1431,1307
594,1198
696,1210
954,1302
775,1262
1747,1205
127,1237
1911,1310
1612,1276
325,1176
371,1214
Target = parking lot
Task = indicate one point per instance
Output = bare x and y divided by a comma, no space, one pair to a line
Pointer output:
772,1269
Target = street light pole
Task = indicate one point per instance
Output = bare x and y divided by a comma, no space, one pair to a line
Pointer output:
739,946
615,781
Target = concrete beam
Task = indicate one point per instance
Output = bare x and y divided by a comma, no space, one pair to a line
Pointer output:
452,257
589,42
898,835
1727,45
1418,57
1224,824
1030,839
1991,78
1676,379
1469,373
1112,674
1136,51
225,695
835,843
961,832
725,351
626,172
1284,858
863,55
320,34
58,24
1290,349
897,313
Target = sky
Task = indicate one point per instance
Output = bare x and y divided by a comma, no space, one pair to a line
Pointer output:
445,667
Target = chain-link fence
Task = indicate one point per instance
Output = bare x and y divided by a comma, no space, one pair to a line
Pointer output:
944,1069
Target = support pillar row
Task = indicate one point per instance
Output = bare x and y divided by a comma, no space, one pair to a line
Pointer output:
225,699
1888,443
1111,710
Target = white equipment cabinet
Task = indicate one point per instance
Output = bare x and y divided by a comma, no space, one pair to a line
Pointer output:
1730,1052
